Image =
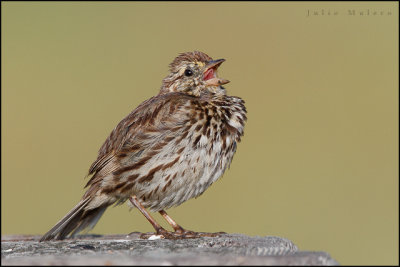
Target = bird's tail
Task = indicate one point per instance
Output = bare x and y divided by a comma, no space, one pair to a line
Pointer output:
76,220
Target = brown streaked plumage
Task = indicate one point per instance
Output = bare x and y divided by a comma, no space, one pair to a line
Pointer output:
169,149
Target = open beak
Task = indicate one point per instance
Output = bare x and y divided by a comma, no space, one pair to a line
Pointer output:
210,73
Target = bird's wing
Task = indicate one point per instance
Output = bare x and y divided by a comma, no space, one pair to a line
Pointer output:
155,121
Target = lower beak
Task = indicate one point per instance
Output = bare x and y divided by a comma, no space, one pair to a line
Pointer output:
212,66
217,81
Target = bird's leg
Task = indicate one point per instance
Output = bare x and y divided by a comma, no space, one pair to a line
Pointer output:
171,222
159,229
180,232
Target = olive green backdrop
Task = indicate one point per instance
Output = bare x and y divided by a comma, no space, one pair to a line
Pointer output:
319,160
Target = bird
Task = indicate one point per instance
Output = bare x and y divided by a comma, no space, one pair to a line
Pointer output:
169,149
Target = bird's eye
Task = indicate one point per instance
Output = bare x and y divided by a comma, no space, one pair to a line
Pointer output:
188,72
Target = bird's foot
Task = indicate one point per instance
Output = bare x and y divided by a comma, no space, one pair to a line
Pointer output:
204,234
185,234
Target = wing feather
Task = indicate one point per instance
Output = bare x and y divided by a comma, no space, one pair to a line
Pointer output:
151,123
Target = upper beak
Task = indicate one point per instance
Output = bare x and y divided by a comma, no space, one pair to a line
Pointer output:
214,63
210,69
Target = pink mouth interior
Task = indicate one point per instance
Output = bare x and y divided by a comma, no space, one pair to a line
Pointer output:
209,74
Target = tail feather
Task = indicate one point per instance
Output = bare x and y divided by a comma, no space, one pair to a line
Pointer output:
90,219
75,221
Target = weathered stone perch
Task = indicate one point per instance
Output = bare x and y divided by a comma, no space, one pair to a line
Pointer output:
228,249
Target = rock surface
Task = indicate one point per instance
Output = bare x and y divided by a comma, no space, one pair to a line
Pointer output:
228,249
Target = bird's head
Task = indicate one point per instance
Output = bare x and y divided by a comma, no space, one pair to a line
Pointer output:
194,73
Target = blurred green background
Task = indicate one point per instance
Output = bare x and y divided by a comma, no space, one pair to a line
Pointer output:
319,160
